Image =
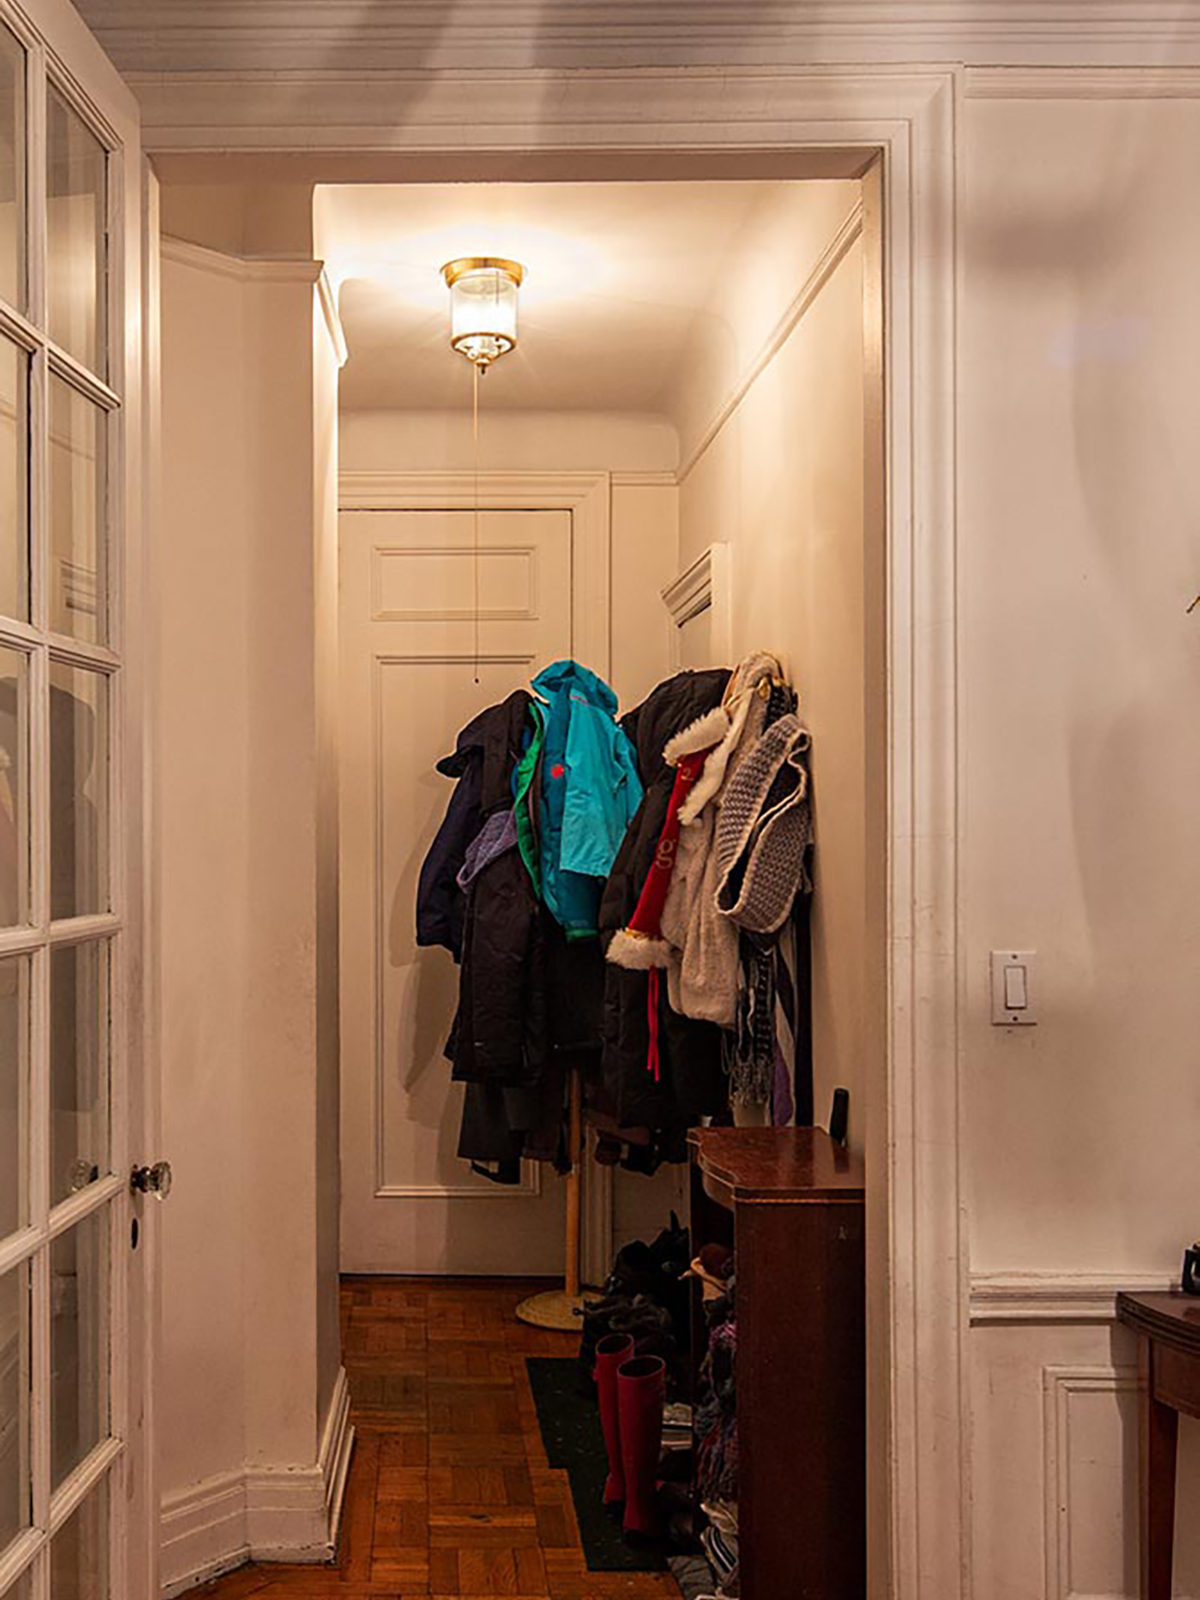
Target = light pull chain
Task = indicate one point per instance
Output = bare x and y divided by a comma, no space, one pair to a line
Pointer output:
475,446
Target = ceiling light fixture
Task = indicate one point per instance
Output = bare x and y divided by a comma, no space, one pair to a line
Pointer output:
483,306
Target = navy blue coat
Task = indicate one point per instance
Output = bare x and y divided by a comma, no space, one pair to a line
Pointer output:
485,754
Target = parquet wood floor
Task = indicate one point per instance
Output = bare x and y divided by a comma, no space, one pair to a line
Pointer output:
450,1494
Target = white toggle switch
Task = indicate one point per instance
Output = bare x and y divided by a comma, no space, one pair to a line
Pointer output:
1016,990
1012,988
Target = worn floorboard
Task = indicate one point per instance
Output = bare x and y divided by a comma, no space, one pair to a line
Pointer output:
450,1495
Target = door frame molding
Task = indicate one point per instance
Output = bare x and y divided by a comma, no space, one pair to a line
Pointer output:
797,121
586,495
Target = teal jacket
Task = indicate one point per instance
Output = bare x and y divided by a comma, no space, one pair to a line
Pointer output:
590,791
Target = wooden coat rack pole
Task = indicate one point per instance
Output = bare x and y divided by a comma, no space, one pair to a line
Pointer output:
560,1308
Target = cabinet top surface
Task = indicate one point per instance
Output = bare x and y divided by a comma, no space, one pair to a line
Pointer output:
1173,1318
778,1163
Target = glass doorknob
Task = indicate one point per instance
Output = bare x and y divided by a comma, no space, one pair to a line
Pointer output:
155,1180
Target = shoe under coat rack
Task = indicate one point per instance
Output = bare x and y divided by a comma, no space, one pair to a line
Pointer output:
562,1308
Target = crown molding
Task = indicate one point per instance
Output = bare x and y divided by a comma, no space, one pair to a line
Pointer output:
279,35
823,269
257,269
665,478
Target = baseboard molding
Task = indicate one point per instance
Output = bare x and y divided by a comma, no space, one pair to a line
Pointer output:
260,1513
337,1446
202,1532
1057,1296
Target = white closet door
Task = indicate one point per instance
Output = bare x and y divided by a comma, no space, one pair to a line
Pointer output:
408,685
77,1515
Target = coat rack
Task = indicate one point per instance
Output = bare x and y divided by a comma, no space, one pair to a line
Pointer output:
562,1308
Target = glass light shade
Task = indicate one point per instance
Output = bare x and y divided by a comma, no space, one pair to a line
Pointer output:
483,306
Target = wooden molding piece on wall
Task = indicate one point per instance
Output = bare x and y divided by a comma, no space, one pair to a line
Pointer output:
703,586
1057,1296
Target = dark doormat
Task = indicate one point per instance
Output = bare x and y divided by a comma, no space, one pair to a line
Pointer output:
571,1433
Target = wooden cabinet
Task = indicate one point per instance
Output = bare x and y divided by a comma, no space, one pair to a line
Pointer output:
790,1203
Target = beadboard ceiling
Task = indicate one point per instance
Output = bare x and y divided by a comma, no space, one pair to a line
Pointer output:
619,277
272,36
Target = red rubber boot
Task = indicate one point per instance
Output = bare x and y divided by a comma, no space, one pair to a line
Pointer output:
641,1391
611,1351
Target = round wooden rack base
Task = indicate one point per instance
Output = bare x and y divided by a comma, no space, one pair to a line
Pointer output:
554,1309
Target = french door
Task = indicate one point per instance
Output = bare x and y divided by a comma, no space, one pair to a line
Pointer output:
72,1400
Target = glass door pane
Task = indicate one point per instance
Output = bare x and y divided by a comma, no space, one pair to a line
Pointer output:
14,481
78,1344
78,791
79,1553
76,214
78,430
14,787
79,1039
15,1476
14,1095
12,170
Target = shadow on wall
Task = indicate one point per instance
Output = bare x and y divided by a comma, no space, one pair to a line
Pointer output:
554,34
1084,235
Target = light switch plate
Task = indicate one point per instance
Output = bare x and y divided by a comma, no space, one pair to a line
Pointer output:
1012,973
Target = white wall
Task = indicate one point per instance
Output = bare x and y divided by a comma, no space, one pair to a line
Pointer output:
781,481
1081,765
203,741
249,1294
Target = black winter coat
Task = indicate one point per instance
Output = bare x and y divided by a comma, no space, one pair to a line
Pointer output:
485,753
527,1000
691,1080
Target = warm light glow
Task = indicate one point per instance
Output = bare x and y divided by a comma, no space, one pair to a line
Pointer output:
483,306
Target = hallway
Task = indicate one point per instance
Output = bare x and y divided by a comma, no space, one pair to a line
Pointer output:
449,1493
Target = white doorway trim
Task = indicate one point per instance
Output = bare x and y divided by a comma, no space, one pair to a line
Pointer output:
817,121
586,495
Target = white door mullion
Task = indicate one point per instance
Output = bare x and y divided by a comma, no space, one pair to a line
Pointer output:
82,930
80,1206
39,492
39,790
35,145
74,1490
16,1558
39,1091
39,1418
39,809
21,941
